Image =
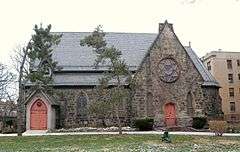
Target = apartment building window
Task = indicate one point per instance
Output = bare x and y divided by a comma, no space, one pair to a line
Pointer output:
209,65
232,106
231,92
230,78
233,118
238,62
229,64
238,76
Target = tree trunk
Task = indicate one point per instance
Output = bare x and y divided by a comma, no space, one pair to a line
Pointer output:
116,107
21,93
19,112
103,122
3,123
118,120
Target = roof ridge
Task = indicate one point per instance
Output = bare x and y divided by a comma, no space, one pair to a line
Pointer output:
108,32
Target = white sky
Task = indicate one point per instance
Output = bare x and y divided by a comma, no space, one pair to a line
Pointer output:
208,24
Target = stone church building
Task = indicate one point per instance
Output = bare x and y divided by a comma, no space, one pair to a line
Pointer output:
173,84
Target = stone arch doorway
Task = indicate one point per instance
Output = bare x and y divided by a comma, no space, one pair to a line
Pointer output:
38,115
170,114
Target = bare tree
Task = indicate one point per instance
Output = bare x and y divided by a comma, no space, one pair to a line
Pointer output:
20,59
6,80
8,111
21,65
7,94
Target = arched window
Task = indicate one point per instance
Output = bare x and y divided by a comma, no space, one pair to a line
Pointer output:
190,103
150,112
82,106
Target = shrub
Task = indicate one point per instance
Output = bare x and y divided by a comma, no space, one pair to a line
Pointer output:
218,126
234,127
145,124
199,122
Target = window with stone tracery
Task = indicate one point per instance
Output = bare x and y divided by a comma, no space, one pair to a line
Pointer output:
189,103
150,109
168,70
82,106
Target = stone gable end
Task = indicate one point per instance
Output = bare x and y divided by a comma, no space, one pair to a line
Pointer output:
153,93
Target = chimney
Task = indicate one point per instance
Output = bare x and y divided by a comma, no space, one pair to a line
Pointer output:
162,25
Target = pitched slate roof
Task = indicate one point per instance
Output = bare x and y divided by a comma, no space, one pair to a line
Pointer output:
209,80
134,46
73,57
81,79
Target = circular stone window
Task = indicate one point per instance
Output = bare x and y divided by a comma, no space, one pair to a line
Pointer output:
168,70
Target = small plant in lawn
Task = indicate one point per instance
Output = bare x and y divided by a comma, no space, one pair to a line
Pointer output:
166,138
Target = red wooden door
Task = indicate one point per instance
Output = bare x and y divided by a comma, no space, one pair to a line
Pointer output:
170,114
38,116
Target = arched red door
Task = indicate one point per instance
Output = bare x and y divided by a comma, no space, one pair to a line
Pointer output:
170,114
38,116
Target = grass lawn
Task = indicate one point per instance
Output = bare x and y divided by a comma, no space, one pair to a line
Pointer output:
116,143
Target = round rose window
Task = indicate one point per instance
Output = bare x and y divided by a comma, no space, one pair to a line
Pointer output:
168,70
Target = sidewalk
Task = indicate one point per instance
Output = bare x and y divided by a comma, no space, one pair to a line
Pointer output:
44,133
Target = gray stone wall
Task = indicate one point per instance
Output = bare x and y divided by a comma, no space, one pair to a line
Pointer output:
213,107
68,118
148,81
67,111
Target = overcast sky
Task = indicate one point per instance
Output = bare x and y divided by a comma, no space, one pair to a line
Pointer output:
208,24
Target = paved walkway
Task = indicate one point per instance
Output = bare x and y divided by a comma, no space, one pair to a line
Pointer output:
44,133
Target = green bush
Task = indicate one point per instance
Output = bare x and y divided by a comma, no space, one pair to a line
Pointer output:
199,122
145,124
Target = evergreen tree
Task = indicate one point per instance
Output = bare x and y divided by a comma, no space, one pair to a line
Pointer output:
39,52
118,71
42,65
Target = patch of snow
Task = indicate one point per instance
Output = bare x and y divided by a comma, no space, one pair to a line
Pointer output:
93,129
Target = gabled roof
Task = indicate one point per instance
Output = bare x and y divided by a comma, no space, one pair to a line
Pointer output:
51,100
79,60
73,57
209,80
